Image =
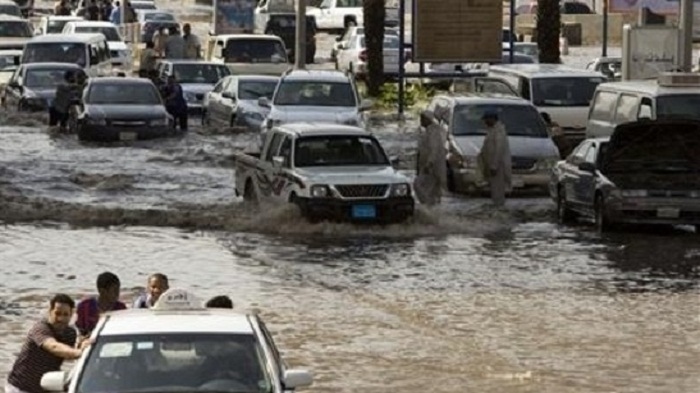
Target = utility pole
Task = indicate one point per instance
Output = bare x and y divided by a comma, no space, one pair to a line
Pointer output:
605,28
300,47
686,26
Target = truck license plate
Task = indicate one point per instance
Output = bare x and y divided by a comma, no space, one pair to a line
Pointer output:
668,212
127,136
364,211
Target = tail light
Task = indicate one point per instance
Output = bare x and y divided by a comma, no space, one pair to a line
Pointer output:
363,55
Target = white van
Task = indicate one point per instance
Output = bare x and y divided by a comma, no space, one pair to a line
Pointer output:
119,51
614,103
563,92
89,51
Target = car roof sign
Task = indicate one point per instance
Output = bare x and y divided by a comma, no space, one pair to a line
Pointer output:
177,299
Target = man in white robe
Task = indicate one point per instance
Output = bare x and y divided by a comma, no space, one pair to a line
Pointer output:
495,158
432,169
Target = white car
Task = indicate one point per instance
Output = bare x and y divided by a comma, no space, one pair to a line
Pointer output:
337,14
179,346
54,24
315,96
352,57
119,52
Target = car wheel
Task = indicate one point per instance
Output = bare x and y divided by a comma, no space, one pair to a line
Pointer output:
451,187
564,214
205,118
232,122
249,194
602,223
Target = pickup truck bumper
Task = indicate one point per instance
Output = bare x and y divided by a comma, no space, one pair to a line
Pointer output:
385,210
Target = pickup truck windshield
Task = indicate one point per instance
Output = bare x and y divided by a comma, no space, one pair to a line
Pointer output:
564,91
315,93
338,150
175,362
686,105
519,120
57,52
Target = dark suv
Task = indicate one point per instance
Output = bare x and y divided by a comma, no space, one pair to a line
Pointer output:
283,25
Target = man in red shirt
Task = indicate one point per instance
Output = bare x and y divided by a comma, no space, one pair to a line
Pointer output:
49,342
90,310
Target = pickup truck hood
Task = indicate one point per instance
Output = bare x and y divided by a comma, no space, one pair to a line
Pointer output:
292,114
520,146
653,146
274,69
352,175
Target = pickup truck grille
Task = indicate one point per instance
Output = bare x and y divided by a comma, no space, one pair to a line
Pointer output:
362,190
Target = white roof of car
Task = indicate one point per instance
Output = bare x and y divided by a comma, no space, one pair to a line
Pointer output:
62,17
91,23
53,38
320,129
486,99
227,37
541,70
322,75
650,87
147,321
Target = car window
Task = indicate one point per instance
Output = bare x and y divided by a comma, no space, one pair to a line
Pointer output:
274,147
110,33
200,73
15,29
55,26
645,109
349,3
158,16
338,150
44,78
10,9
603,106
591,154
220,86
681,105
254,51
286,151
316,93
253,90
564,91
626,108
55,52
219,362
518,120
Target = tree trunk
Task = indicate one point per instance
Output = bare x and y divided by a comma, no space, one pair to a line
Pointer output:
548,30
374,14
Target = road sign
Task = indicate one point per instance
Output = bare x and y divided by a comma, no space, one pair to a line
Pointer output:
457,31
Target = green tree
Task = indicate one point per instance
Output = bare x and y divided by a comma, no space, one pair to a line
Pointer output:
548,30
374,15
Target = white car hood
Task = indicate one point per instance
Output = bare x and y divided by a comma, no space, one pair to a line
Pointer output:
520,146
291,114
352,175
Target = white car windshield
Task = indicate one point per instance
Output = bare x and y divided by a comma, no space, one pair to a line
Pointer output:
252,90
55,53
564,91
200,73
15,29
182,362
123,94
110,33
338,150
254,51
313,93
681,105
519,120
45,78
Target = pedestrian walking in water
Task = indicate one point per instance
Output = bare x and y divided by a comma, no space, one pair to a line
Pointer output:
495,157
174,45
58,112
147,62
175,102
432,170
157,285
90,310
48,343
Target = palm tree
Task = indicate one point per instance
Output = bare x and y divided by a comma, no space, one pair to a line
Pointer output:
548,30
374,15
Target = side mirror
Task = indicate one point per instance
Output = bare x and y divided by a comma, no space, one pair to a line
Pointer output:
427,118
264,102
587,167
294,379
366,105
278,161
54,381
228,95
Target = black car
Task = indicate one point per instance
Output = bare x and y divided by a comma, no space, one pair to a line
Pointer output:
283,25
32,87
126,109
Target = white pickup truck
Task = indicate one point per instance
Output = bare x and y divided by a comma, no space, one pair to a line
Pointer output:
331,172
337,14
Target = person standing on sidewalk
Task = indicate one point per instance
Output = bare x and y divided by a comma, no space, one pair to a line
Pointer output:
48,343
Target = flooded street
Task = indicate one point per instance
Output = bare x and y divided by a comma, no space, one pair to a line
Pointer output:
459,299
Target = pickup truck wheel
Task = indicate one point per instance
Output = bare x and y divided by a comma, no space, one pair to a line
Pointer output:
232,122
602,223
249,194
564,214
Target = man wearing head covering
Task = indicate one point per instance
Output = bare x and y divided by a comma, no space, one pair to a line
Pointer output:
432,167
495,157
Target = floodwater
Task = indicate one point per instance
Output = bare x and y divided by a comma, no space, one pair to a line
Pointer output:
461,298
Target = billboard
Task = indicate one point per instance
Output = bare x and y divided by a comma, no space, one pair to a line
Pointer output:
648,51
457,31
665,7
233,16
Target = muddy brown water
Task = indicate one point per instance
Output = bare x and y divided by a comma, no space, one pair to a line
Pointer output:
459,299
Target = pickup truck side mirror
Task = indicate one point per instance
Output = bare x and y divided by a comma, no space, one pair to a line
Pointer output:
587,167
264,102
278,161
427,118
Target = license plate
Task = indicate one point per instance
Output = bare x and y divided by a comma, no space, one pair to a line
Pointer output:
668,212
518,183
364,211
127,136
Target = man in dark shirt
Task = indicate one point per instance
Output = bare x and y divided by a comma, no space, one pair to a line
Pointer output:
49,342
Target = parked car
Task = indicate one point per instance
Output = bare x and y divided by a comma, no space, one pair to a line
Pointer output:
9,7
283,25
153,20
611,67
14,32
249,53
234,101
352,57
119,52
121,109
197,78
32,87
533,151
646,172
54,24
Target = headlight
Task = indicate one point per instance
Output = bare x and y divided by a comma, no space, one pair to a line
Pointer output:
159,122
351,122
319,191
466,162
547,163
190,96
634,193
253,116
400,190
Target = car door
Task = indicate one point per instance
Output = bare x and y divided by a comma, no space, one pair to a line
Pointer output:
214,101
12,93
588,179
569,172
280,174
229,101
266,178
576,192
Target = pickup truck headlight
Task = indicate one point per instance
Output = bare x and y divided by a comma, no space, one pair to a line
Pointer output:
319,191
400,190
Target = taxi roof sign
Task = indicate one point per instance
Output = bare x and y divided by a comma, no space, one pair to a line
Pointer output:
177,299
679,79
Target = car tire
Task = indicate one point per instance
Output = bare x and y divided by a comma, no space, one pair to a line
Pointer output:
294,200
249,194
602,222
205,118
232,122
564,214
451,187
